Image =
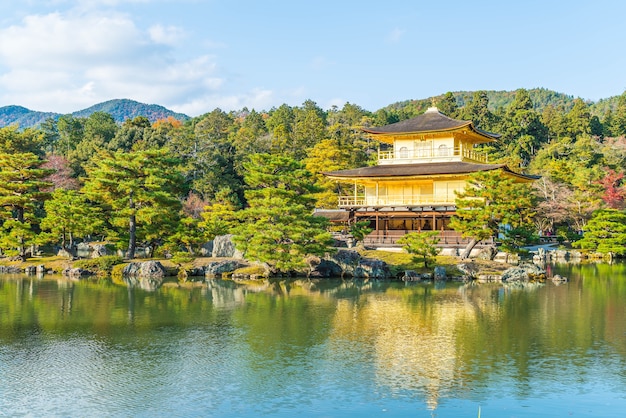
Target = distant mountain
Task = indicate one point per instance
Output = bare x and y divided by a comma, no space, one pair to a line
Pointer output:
120,109
18,115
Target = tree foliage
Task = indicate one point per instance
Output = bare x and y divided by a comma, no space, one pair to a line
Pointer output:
139,192
423,245
492,200
22,189
278,227
605,233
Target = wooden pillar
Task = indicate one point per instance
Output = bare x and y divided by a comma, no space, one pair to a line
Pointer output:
434,221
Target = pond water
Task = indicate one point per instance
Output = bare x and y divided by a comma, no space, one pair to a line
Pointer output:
316,349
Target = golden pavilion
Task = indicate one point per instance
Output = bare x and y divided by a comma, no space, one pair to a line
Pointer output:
422,163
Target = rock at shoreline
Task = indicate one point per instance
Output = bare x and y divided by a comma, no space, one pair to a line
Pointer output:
525,272
76,273
10,270
147,275
217,268
149,269
370,268
323,268
440,273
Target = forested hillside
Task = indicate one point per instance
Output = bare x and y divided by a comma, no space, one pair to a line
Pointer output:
120,109
181,182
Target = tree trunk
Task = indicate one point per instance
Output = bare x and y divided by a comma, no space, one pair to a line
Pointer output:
21,248
132,229
468,249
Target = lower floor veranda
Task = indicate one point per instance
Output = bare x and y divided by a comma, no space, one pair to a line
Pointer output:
389,225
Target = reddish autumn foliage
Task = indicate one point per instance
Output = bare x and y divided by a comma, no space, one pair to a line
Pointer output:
613,190
62,178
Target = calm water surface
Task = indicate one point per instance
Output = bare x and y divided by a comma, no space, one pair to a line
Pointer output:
315,349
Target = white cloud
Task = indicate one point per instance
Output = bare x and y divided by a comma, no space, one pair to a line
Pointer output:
66,62
170,35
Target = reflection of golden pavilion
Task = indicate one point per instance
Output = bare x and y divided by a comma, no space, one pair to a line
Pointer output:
415,346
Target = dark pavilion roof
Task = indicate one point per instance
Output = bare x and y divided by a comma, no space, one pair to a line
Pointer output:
430,121
423,169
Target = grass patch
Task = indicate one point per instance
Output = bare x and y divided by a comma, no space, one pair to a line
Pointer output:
398,262
100,265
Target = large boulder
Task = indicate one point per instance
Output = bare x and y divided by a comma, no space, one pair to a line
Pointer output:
525,272
347,261
10,270
147,275
206,250
217,268
223,246
323,267
440,273
98,250
153,269
370,268
76,273
469,270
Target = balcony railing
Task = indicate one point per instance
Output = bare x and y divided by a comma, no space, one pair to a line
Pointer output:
407,155
396,200
446,238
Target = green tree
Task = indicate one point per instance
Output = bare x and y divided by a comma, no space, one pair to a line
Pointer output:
423,245
15,140
219,218
70,131
139,192
447,105
22,188
69,215
327,155
605,233
492,200
278,227
131,132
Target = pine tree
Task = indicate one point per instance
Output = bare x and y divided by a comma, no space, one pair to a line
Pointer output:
278,227
605,233
139,192
69,216
492,200
423,245
21,189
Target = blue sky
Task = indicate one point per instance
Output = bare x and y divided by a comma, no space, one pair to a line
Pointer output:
195,55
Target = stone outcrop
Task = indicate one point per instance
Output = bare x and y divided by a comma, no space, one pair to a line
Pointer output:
525,272
76,273
346,263
10,270
468,270
147,275
323,268
98,250
440,273
217,268
369,268
152,269
223,246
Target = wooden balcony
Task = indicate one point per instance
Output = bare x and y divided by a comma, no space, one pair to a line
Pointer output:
430,155
446,238
360,201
